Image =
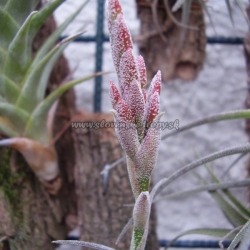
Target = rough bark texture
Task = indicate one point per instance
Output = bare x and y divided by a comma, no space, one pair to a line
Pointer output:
165,51
102,214
39,218
247,102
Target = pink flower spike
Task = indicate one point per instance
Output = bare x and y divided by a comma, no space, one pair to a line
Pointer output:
128,71
153,108
155,85
120,39
127,135
122,109
113,8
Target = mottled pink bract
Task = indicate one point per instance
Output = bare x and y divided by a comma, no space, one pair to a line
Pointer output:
142,71
153,108
155,85
127,135
128,71
146,156
120,37
122,109
134,107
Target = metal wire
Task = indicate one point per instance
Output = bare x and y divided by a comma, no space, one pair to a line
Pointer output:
99,56
210,40
194,244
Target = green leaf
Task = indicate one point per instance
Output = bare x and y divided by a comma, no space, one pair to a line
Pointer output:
233,215
238,204
7,128
203,231
33,90
20,9
231,115
50,41
9,89
8,28
219,154
18,117
239,236
2,58
2,3
208,187
245,242
228,194
39,19
36,126
19,53
83,244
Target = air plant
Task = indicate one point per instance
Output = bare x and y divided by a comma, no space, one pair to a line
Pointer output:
26,114
137,110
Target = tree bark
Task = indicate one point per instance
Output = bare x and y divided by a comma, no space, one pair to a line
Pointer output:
31,218
102,214
165,50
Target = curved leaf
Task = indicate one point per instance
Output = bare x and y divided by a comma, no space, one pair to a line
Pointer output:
219,154
231,115
7,128
208,187
234,216
8,28
50,41
33,91
18,117
9,89
83,244
3,55
239,236
245,242
228,194
40,18
20,9
19,53
36,126
2,3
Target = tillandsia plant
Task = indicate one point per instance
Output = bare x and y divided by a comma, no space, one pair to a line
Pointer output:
135,111
26,114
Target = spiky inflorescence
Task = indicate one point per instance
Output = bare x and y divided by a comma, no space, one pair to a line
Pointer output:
134,107
138,110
